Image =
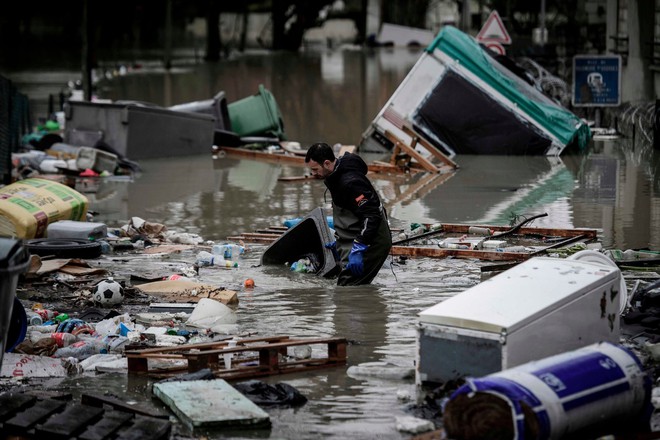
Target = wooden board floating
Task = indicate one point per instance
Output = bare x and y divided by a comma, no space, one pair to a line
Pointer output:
210,403
252,357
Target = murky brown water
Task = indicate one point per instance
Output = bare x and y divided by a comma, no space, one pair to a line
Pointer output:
333,97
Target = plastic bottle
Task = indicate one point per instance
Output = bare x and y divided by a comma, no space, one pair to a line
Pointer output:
208,259
303,265
476,230
228,251
46,315
61,317
79,350
64,339
34,318
415,230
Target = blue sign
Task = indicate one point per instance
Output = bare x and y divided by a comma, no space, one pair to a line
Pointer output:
596,80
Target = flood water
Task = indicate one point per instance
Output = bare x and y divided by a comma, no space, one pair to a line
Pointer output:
332,97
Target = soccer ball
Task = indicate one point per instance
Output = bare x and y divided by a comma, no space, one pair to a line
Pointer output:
108,291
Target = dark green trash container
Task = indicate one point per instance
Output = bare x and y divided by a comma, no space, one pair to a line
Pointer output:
257,115
14,259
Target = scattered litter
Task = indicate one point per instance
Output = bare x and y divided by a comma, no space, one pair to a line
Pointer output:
413,425
381,370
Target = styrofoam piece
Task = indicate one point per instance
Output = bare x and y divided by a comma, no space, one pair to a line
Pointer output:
76,229
206,403
18,366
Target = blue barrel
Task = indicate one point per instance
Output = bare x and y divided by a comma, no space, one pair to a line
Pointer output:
559,395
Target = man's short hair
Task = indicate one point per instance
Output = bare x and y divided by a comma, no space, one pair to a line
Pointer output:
320,152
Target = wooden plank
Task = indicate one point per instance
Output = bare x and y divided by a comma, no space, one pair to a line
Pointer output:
107,426
70,422
30,418
266,157
98,400
412,251
251,239
147,428
410,150
430,148
295,178
404,125
459,228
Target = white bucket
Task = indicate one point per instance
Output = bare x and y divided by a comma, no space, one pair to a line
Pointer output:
562,394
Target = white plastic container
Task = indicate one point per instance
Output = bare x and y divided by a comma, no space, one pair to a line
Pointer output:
97,160
536,309
78,230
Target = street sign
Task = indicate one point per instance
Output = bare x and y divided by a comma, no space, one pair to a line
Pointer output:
596,80
495,47
494,30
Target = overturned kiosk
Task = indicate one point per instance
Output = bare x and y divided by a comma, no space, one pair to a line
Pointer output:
464,99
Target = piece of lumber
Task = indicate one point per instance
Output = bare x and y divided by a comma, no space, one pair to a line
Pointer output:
98,400
410,150
402,124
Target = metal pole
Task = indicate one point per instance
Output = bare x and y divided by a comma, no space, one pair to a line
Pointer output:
86,52
168,34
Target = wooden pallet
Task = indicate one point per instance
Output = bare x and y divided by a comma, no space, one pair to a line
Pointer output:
252,357
27,416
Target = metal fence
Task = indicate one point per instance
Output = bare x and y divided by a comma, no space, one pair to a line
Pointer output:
15,121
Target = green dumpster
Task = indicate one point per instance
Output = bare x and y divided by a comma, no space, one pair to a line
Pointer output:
257,115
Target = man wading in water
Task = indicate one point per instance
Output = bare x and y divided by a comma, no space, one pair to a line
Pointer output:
363,236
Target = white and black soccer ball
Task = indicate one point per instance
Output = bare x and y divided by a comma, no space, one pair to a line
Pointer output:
108,291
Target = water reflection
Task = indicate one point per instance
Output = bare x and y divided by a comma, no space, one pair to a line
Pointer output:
602,189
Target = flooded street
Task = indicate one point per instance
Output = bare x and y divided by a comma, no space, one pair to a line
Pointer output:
332,97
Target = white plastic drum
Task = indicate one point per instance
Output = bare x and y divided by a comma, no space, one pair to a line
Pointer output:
596,257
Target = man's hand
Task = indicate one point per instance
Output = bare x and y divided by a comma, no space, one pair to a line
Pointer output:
333,247
355,259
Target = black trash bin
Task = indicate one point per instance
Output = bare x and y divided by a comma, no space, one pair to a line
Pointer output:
14,259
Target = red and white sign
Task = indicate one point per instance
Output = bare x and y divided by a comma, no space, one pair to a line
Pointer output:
494,30
495,47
